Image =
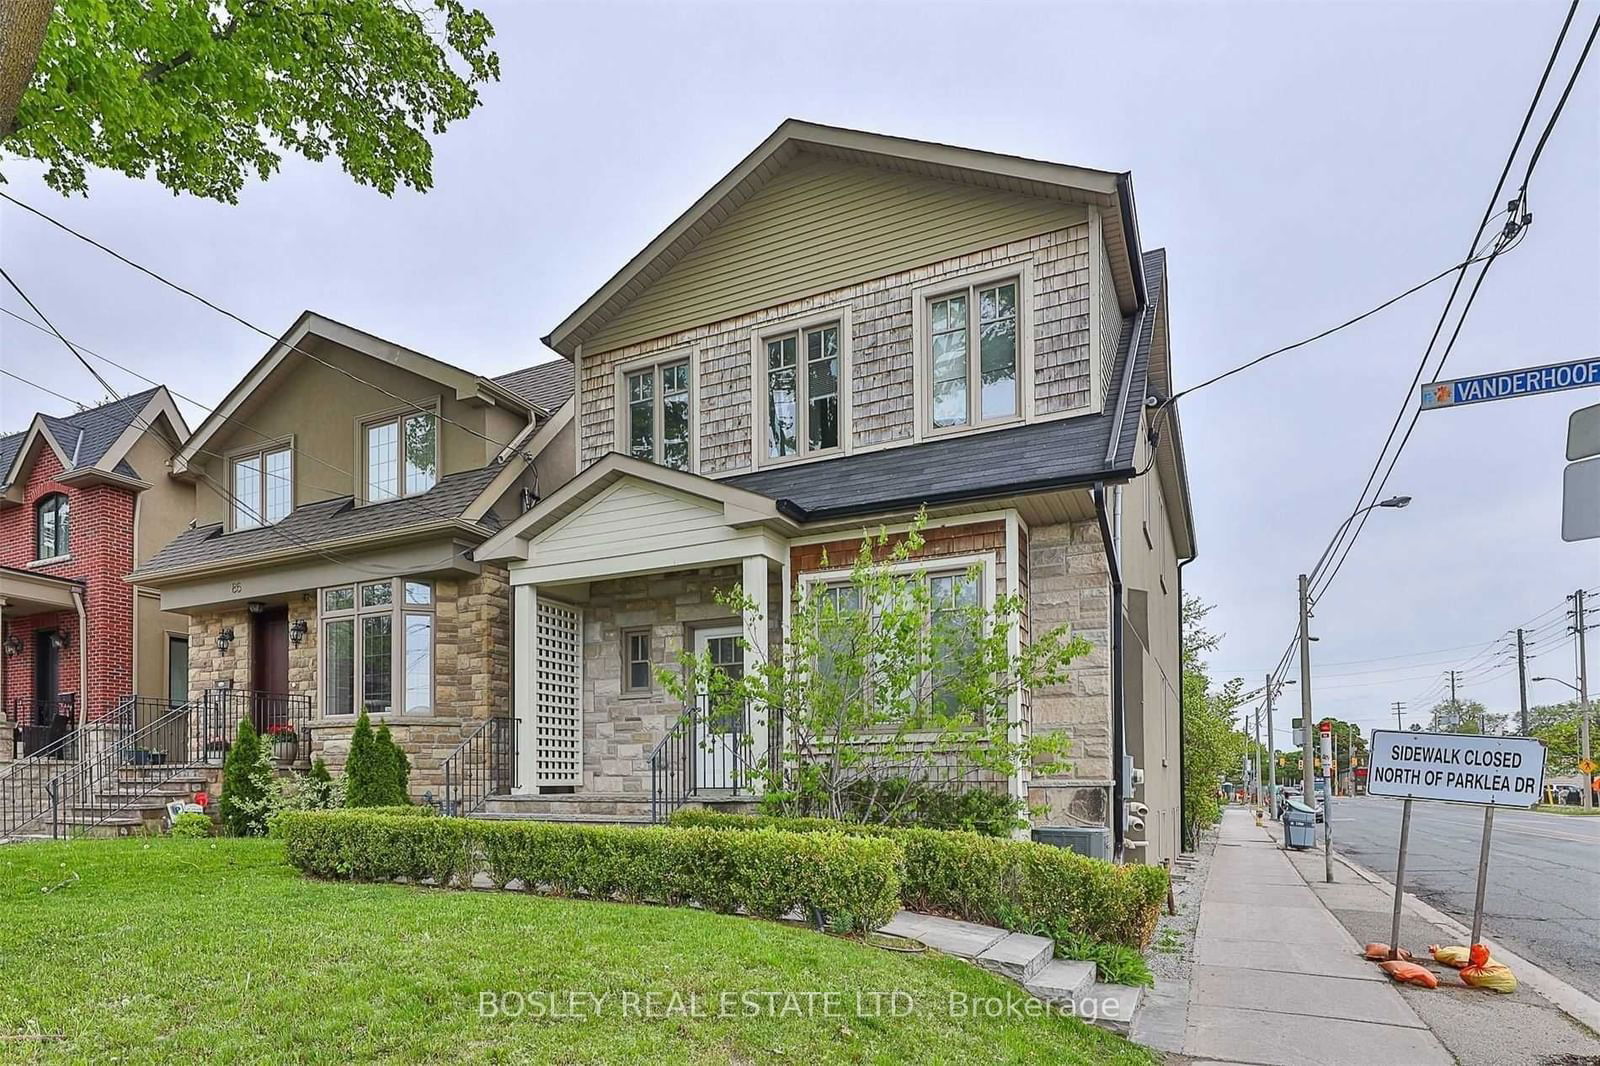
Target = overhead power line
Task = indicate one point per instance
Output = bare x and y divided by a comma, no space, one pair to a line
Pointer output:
104,384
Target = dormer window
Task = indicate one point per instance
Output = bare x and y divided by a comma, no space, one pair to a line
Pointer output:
262,484
50,515
402,455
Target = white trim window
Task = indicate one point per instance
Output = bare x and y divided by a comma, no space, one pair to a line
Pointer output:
804,388
974,367
655,420
377,648
400,455
262,487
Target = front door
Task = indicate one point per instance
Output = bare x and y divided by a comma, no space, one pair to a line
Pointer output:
719,732
269,667
51,718
177,671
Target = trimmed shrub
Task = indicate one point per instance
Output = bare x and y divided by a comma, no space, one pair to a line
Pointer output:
397,768
191,825
246,784
377,771
980,810
853,882
1020,885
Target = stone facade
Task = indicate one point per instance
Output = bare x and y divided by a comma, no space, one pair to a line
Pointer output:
472,671
882,404
1069,582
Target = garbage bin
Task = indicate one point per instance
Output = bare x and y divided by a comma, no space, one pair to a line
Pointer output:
1299,825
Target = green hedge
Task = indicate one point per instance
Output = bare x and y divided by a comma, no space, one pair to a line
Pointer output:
852,881
1014,884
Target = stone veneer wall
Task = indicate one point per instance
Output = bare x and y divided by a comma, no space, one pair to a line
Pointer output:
472,671
1068,581
620,731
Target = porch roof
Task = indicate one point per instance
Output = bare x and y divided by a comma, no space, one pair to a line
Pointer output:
27,592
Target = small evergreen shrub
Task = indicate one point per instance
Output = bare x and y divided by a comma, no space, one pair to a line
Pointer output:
377,772
191,825
1015,884
853,881
246,784
398,767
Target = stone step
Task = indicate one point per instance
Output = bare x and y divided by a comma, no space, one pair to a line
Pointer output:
1018,956
572,806
1061,981
561,817
1109,1006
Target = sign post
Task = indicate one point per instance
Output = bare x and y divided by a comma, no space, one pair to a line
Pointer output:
1328,775
1454,768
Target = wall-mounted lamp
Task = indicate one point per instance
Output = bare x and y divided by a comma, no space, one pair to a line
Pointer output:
13,645
255,607
224,638
297,631
60,641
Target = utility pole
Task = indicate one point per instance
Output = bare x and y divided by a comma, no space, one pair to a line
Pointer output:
1399,709
1255,783
1522,680
1307,733
1455,707
1272,755
1583,697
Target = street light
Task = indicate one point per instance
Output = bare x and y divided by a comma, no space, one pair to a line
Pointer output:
1393,502
1558,681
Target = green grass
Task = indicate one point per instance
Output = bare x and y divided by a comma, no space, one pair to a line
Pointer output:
217,951
1546,808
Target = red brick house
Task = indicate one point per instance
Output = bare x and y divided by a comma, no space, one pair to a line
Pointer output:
83,500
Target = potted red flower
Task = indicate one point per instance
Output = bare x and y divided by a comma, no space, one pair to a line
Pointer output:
285,743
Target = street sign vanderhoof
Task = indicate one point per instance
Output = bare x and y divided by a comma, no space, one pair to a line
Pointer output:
1456,767
1556,377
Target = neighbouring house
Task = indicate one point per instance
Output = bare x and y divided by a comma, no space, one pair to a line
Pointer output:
846,328
340,489
85,499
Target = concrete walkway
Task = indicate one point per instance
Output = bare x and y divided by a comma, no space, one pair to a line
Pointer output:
1278,981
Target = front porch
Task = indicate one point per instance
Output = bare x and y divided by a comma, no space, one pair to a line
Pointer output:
44,661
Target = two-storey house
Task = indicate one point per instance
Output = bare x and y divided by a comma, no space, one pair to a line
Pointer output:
84,500
846,328
340,489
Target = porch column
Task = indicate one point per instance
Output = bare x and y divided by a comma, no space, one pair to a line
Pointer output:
83,658
524,667
756,630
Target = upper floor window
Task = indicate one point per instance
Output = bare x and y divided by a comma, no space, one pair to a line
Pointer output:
802,386
51,523
402,455
973,376
262,484
656,421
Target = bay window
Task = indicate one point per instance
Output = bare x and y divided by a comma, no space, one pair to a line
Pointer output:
656,418
377,648
262,487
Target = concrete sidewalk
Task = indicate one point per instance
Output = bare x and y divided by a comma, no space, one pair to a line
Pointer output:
1277,979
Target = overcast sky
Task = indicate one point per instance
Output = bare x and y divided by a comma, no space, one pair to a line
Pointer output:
1300,162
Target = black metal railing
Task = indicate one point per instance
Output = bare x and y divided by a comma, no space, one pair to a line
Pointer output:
111,777
483,765
712,752
24,791
275,715
40,725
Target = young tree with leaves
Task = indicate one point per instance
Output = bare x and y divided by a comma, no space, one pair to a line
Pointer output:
204,93
893,689
1213,750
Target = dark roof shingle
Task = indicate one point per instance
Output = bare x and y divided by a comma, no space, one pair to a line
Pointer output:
546,385
84,436
327,521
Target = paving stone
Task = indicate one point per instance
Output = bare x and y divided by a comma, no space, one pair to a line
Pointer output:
964,940
1018,956
1301,993
1061,980
1303,1040
1109,1006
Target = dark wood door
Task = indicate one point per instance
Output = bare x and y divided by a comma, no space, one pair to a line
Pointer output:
269,666
46,673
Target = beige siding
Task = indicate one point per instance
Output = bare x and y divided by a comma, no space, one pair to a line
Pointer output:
820,224
629,519
167,507
1110,324
883,404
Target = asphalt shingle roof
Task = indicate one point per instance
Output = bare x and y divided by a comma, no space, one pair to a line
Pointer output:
325,521
99,428
1030,458
546,385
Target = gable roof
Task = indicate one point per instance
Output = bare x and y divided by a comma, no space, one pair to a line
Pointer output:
545,386
1033,177
97,439
311,324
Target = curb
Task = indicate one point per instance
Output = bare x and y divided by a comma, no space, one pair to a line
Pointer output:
1577,1005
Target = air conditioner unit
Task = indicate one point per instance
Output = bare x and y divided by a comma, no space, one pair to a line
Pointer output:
1095,843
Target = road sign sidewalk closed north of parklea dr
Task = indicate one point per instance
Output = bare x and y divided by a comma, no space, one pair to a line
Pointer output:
1457,767
1557,377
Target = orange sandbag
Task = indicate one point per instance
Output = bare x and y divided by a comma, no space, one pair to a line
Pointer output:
1484,972
1409,973
1379,952
1454,955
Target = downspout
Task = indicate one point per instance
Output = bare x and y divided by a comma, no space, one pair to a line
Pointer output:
1119,736
1185,843
83,658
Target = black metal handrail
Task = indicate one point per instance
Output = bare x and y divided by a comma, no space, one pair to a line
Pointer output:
275,715
24,783
710,752
111,778
484,764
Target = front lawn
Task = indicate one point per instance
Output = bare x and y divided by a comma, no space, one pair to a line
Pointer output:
188,951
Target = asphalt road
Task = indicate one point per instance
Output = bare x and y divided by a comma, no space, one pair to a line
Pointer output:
1543,896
